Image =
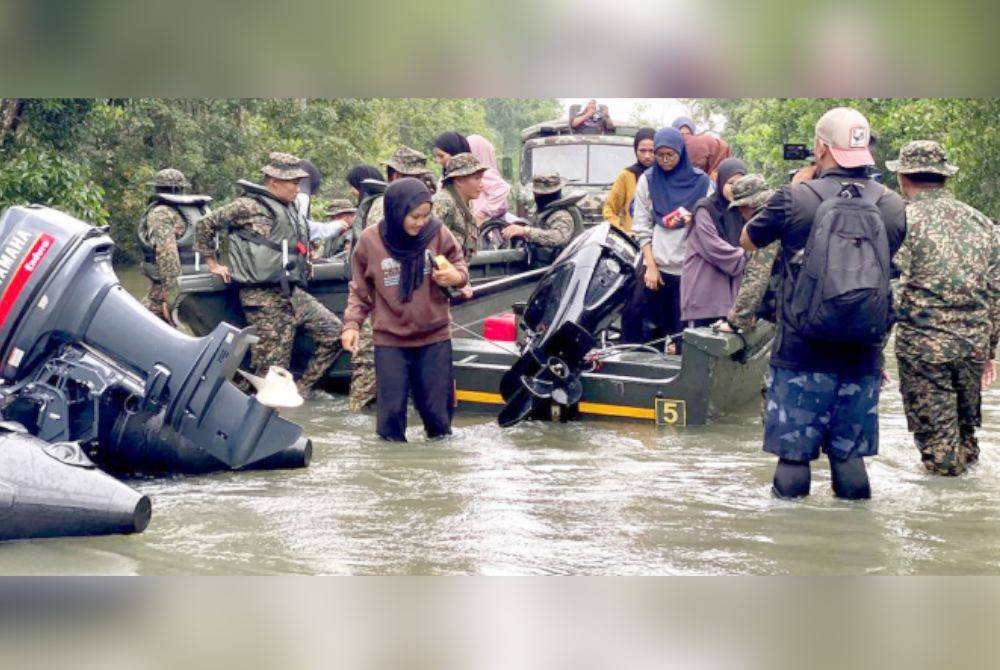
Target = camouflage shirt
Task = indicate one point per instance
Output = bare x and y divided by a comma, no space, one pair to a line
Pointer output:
375,213
164,226
556,230
464,229
948,295
756,278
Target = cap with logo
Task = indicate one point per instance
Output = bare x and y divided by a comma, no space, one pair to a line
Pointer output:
847,133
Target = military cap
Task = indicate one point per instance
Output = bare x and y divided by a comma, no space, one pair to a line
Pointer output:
170,178
922,156
340,206
462,165
549,182
284,166
751,191
405,160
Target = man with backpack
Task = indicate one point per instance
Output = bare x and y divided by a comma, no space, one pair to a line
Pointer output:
838,230
948,306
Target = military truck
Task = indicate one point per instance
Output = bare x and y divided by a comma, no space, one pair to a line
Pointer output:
589,162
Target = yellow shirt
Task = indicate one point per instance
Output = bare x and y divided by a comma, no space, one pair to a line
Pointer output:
616,206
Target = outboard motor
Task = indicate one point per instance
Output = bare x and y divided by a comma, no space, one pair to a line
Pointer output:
578,297
82,361
54,490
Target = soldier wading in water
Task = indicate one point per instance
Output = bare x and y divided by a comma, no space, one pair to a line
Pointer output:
269,259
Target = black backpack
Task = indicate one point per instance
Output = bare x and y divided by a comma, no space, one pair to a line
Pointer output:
842,294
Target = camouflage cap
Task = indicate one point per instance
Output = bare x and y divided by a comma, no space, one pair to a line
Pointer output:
405,160
750,190
284,166
462,165
170,178
922,156
340,206
549,182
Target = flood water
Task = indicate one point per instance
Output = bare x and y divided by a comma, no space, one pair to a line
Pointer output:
599,497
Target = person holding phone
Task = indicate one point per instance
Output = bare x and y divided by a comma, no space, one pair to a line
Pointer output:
664,197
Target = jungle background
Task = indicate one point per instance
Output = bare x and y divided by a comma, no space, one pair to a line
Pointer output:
93,157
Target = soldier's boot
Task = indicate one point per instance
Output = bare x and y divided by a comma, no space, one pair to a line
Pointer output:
792,479
948,463
970,446
850,478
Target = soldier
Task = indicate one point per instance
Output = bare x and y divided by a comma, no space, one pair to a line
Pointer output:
268,254
166,236
462,183
556,223
404,162
328,236
946,338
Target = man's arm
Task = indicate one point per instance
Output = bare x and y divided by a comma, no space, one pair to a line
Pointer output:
557,233
767,226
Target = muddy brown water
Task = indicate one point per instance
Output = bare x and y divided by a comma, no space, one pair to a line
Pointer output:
595,497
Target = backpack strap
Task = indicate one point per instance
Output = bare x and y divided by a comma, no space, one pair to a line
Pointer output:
825,189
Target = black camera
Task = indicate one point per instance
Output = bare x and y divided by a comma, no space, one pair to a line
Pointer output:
796,152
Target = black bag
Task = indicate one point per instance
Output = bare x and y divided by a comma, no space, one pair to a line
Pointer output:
842,294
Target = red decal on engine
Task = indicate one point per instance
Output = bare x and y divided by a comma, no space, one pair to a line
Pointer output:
29,263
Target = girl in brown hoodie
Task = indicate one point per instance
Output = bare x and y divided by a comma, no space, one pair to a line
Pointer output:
411,319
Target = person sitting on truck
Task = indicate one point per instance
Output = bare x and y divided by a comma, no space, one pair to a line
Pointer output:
593,120
449,144
704,151
618,207
492,201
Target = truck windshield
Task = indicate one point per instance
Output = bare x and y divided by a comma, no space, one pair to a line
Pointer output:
583,163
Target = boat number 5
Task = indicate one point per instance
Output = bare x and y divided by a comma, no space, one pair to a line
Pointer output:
671,412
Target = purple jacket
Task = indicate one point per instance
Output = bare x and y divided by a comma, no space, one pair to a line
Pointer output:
713,270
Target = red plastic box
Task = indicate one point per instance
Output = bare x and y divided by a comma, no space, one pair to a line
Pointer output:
500,327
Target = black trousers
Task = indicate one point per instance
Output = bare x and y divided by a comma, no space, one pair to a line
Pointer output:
649,315
426,372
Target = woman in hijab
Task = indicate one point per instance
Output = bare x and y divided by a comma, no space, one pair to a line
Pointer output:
449,144
398,270
664,197
492,201
714,260
618,206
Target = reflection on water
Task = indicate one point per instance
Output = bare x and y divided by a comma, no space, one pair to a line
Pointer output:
581,498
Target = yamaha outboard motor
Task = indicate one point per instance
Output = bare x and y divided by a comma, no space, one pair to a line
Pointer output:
82,361
577,298
54,490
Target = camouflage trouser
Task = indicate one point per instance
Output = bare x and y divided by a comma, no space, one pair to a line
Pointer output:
942,403
155,299
363,370
808,412
276,318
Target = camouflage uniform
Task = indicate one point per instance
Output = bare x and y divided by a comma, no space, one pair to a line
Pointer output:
275,315
409,163
556,228
164,226
752,190
446,206
949,285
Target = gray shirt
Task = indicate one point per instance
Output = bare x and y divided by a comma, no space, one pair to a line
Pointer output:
668,245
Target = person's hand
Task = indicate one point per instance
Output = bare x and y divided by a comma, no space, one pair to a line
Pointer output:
514,230
591,107
447,277
805,174
989,374
166,314
722,326
349,340
222,271
467,291
652,278
480,219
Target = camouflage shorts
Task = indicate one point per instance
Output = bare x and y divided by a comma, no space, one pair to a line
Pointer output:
808,412
943,409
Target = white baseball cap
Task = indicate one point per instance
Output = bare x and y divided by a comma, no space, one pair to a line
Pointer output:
848,135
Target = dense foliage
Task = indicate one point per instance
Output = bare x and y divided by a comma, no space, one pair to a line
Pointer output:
93,158
757,127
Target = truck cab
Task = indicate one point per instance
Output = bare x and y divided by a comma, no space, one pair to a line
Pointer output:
590,163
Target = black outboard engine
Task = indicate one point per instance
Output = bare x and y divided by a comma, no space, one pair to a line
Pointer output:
82,361
577,298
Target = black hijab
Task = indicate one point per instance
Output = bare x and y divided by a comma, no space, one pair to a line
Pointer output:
402,197
452,143
730,221
638,168
358,174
